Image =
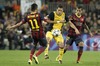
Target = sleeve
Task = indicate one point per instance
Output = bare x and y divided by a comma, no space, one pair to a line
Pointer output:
51,16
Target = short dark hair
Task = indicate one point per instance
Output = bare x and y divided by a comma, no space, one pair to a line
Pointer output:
79,7
34,6
59,6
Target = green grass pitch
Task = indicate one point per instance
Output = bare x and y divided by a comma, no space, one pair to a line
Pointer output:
20,58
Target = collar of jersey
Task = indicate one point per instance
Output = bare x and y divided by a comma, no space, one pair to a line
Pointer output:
77,15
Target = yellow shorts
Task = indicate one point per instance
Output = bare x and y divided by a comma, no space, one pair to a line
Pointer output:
57,39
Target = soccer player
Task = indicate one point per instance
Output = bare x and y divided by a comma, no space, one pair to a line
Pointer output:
79,22
56,20
34,19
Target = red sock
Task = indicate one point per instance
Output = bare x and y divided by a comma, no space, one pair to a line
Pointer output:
31,53
40,51
79,55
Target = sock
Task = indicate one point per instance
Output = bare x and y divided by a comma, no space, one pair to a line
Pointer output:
31,53
80,53
47,49
40,51
61,51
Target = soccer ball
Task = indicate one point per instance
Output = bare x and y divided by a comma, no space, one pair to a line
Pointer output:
56,32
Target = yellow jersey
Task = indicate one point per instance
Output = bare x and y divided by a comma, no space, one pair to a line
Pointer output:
58,18
54,17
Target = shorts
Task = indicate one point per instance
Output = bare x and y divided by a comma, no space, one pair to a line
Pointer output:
39,37
42,41
70,40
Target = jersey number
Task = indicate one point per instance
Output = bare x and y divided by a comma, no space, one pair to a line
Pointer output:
36,26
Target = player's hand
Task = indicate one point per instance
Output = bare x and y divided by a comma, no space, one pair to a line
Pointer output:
77,32
62,21
91,34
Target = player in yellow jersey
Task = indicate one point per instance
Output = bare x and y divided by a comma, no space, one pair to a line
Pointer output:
56,20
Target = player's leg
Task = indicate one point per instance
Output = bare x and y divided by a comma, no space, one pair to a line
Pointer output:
68,43
46,55
79,43
60,42
43,43
66,47
49,38
32,52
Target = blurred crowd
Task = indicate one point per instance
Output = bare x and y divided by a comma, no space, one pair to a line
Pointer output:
20,38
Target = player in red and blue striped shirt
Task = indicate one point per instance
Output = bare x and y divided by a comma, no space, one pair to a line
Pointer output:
34,19
74,33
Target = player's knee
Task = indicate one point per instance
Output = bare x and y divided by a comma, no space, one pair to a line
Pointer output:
66,47
61,45
48,39
81,44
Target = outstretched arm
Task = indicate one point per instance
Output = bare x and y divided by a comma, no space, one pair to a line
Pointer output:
50,21
14,26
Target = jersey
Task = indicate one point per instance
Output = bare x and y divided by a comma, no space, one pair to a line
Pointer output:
54,17
78,22
35,22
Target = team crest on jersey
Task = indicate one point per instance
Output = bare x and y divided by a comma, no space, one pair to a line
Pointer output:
82,19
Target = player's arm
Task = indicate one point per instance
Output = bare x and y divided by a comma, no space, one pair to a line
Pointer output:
51,21
15,26
73,26
88,29
18,24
